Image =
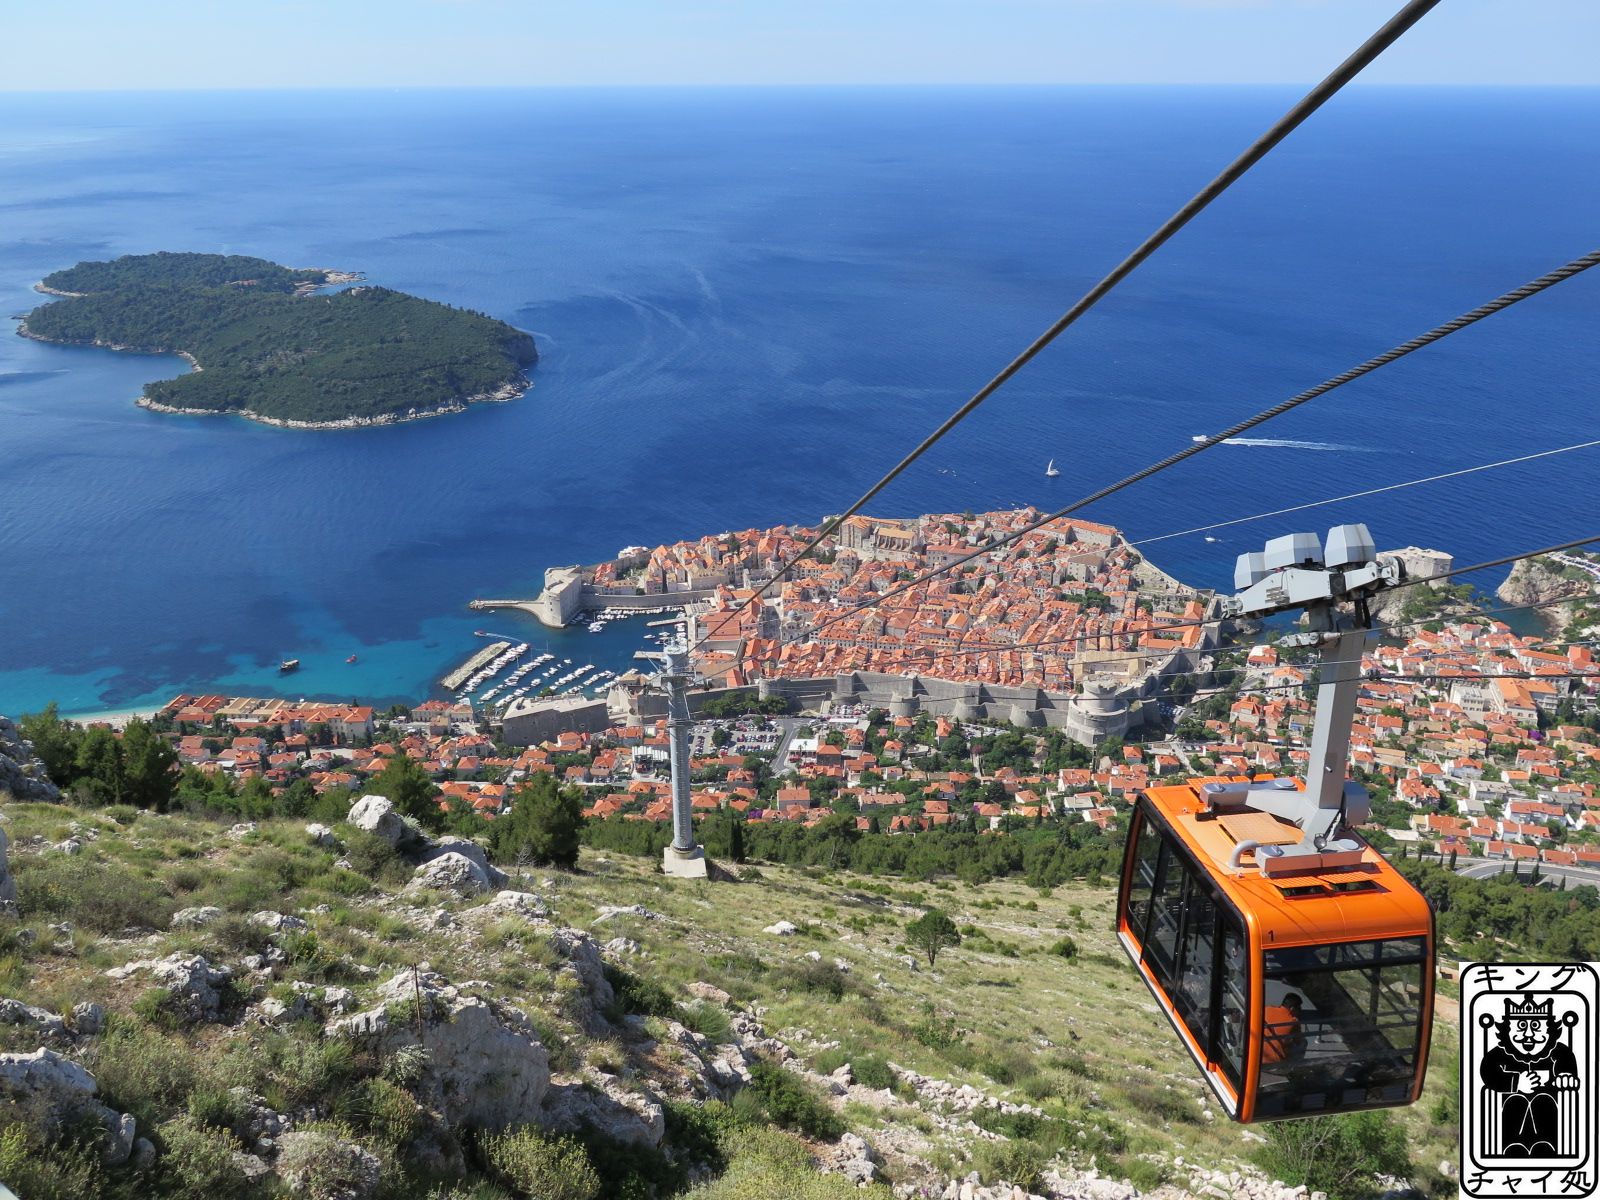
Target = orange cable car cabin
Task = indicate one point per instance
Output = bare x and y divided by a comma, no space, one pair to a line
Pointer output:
1299,991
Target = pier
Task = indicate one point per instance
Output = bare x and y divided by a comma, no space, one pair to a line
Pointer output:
467,669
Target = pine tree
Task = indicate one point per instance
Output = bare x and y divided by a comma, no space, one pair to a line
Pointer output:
543,826
932,932
150,766
99,766
408,787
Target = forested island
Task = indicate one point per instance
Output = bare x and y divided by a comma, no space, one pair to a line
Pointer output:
267,345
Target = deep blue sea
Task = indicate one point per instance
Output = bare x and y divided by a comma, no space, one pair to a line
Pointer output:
750,302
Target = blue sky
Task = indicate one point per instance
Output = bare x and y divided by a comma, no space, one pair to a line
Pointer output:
99,44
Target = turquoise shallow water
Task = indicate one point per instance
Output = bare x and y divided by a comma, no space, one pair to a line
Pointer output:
748,303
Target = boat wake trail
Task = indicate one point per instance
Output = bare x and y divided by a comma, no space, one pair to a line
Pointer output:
1291,444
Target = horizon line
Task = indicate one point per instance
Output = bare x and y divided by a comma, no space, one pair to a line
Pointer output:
906,85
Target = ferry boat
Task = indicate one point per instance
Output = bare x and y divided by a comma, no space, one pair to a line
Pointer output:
1051,471
1200,437
287,665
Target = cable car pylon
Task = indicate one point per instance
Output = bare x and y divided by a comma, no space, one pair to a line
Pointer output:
1293,961
682,859
1297,572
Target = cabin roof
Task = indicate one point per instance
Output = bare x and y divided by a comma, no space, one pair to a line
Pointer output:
1305,908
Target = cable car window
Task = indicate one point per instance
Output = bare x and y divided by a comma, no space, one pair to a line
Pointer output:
1166,918
1233,998
1144,877
1197,960
1341,1026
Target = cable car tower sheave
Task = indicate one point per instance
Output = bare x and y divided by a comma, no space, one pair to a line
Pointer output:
1295,572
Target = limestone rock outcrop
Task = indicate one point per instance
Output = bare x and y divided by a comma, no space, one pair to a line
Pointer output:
199,988
376,814
486,1066
457,874
21,772
586,966
604,1105
64,1092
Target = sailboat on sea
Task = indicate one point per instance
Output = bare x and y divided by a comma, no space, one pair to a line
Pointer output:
1051,471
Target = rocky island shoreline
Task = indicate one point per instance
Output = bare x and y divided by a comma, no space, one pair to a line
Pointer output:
276,348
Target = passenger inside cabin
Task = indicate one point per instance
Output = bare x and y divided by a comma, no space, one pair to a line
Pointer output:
1281,1035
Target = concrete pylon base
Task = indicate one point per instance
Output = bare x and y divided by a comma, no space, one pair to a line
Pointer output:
684,864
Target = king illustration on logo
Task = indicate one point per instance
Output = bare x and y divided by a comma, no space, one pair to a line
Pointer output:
1528,1108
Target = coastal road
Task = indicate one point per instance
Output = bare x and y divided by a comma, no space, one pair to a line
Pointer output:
1488,868
1583,564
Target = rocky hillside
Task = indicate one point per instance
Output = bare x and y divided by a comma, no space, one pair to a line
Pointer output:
1539,580
189,1008
22,775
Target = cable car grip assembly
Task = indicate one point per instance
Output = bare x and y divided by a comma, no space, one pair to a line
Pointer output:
1295,571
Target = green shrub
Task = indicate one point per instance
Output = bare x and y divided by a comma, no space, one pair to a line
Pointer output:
185,879
1017,1161
872,1071
708,1020
1065,948
312,959
635,994
380,1108
699,1133
1162,1103
1145,1175
631,1171
159,1009
236,934
939,1033
323,1168
373,856
215,1107
198,1161
830,1061
1342,1156
788,1100
104,897
537,1165
303,1069
37,1168
768,1165
816,978
145,1071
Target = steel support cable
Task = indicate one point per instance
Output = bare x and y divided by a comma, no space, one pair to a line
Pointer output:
1377,491
1369,50
1439,332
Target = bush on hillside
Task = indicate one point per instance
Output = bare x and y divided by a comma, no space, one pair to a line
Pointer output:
199,1161
636,994
1016,1161
104,897
1342,1156
787,1100
550,1168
